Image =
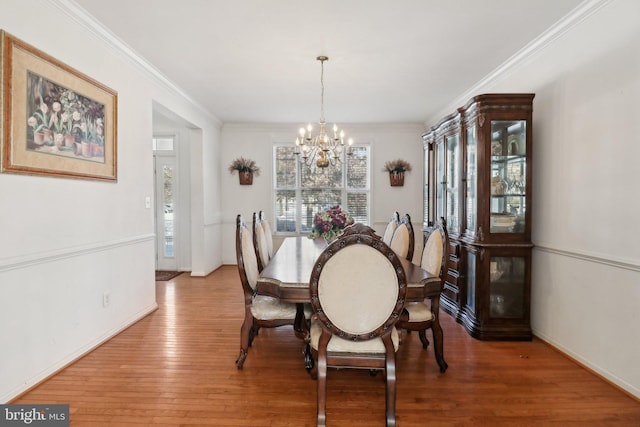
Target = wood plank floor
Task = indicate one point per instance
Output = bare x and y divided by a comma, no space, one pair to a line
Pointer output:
176,368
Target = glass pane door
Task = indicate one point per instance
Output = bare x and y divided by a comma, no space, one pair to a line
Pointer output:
165,212
452,180
507,285
508,176
472,181
441,180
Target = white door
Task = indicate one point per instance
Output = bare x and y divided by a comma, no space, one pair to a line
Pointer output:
166,211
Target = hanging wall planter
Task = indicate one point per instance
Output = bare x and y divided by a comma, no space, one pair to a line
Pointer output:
396,179
396,169
246,178
246,169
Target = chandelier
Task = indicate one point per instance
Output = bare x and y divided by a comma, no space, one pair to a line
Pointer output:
323,149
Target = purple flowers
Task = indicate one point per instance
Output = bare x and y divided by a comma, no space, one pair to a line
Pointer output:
331,223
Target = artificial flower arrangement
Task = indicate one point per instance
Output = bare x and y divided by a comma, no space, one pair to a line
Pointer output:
397,166
396,169
244,165
331,223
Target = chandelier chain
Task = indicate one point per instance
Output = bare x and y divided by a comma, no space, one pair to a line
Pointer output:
322,90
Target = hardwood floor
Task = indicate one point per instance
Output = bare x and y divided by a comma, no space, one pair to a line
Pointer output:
176,368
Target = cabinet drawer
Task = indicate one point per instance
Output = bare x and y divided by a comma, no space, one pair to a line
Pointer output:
454,249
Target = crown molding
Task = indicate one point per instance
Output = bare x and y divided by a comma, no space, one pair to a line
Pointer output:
553,33
93,26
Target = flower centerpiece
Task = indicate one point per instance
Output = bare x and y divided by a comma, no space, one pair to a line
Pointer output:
331,223
246,169
396,169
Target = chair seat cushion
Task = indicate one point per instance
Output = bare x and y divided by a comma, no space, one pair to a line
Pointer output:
339,345
269,308
418,312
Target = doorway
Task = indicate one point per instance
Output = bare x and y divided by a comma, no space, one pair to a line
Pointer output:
166,202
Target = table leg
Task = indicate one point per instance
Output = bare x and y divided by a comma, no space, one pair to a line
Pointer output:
300,326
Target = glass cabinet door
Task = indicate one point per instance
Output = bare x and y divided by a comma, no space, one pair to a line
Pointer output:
452,183
507,287
440,180
426,196
508,176
471,181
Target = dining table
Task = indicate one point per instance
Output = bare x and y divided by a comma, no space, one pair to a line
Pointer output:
287,276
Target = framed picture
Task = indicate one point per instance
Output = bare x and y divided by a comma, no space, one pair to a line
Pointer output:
56,121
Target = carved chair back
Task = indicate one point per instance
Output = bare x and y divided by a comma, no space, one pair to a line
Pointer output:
391,227
260,243
267,233
403,240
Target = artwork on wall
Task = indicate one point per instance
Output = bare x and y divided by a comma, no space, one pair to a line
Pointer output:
56,121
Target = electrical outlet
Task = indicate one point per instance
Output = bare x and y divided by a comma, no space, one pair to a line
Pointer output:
106,299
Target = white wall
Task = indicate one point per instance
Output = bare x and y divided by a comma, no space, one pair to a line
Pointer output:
64,241
586,264
255,141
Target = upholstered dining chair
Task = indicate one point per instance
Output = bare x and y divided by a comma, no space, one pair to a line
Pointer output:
267,233
260,243
403,240
357,289
391,228
260,311
419,316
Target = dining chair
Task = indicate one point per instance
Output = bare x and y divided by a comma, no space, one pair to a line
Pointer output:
260,311
403,240
391,228
260,243
357,289
419,316
267,233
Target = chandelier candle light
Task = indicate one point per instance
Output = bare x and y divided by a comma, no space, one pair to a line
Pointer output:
321,148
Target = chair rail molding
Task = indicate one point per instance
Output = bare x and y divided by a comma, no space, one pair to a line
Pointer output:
28,260
590,257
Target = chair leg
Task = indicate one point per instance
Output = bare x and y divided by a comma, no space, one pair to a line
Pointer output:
321,370
423,338
438,345
252,334
390,380
245,339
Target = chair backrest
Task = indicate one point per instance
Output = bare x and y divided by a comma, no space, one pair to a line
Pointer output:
260,243
436,250
246,257
267,233
359,228
403,240
391,228
358,288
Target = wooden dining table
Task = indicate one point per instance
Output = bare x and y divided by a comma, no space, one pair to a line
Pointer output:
288,272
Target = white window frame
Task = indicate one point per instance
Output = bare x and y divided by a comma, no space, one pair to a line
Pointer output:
298,188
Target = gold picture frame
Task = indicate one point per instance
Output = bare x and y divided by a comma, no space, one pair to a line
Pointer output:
56,121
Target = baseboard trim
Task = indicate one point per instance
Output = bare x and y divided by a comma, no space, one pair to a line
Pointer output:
38,379
614,381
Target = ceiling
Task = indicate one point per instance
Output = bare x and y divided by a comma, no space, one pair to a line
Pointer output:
389,61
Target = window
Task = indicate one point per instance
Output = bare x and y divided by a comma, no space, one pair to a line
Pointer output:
301,191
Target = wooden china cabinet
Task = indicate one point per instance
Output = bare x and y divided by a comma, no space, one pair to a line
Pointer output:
478,164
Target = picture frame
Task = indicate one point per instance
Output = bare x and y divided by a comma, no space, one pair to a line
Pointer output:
56,121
